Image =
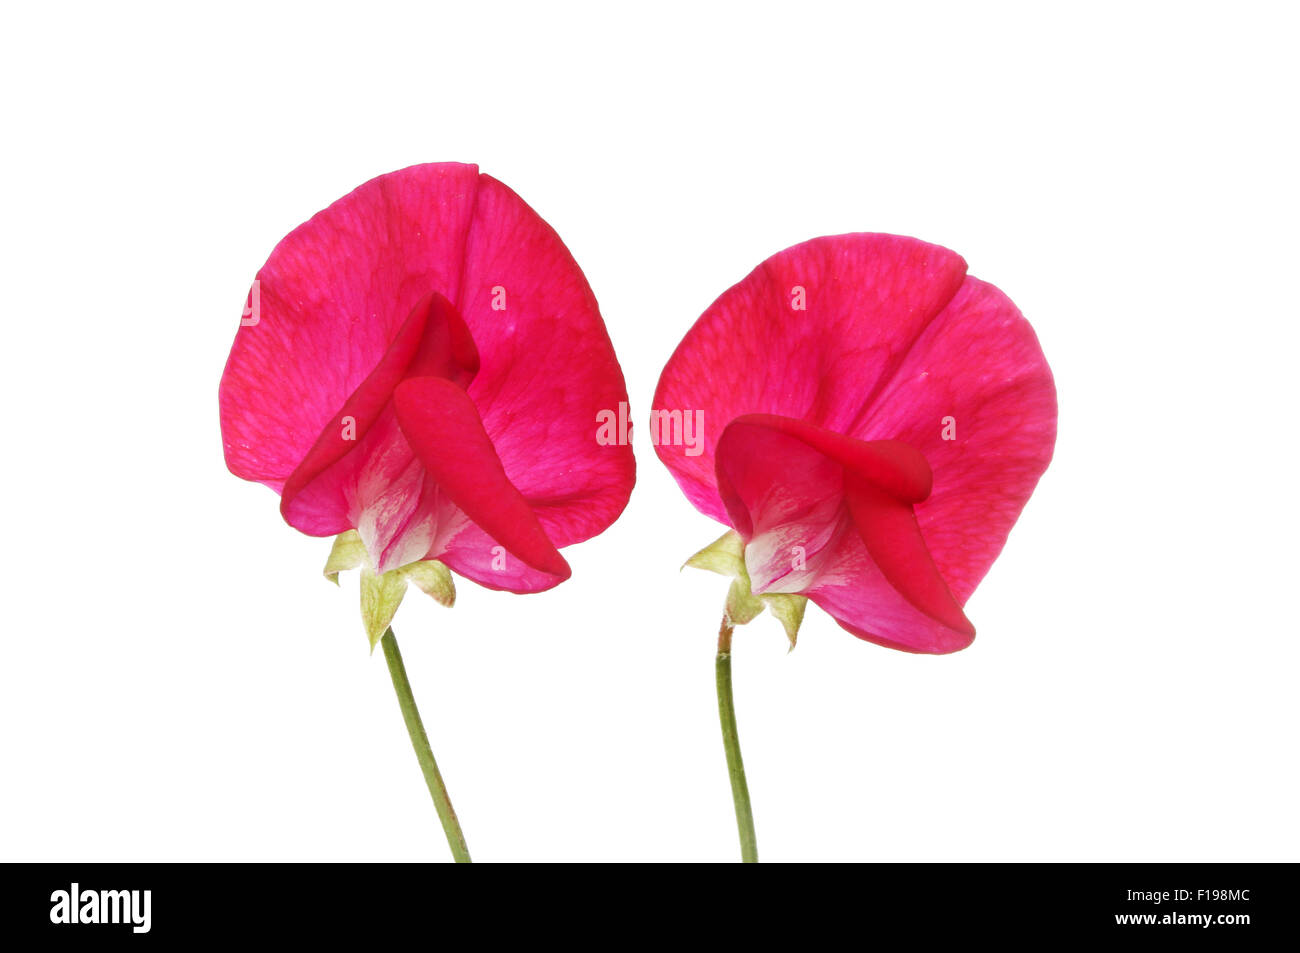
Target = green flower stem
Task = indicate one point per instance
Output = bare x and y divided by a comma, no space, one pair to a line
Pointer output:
423,753
731,742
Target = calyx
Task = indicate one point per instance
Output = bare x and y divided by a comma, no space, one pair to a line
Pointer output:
726,556
382,593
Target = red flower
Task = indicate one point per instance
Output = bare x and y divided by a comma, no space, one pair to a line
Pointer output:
424,362
870,421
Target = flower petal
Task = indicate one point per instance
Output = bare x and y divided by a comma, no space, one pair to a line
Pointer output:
817,509
896,468
887,525
548,368
783,483
320,496
974,395
865,298
329,302
444,429
865,603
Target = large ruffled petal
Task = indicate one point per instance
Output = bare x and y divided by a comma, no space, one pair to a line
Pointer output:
548,368
976,397
330,300
435,272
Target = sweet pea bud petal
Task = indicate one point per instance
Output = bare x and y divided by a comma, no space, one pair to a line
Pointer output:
347,553
380,597
433,578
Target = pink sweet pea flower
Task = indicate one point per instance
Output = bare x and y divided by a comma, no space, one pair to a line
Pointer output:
419,372
423,362
870,422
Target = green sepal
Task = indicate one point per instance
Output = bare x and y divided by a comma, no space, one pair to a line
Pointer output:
347,553
380,597
433,578
725,556
742,605
788,607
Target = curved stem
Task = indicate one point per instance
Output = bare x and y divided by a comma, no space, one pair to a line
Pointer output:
731,741
423,753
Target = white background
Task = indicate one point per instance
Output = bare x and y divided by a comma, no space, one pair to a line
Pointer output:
177,681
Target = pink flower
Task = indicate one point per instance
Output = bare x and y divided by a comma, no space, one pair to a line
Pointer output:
873,420
424,362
